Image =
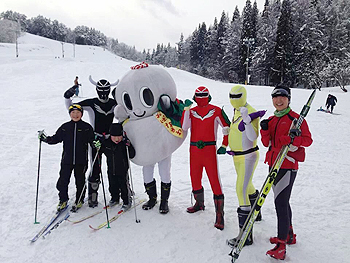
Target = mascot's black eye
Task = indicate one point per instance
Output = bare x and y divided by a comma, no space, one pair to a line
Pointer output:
146,97
127,100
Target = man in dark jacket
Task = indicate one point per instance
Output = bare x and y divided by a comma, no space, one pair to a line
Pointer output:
115,148
331,101
75,135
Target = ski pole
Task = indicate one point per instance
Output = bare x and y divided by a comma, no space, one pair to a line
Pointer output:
37,181
92,168
104,194
132,184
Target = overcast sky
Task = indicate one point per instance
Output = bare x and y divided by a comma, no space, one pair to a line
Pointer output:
139,23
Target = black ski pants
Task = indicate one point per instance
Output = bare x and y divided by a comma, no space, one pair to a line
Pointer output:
63,180
119,186
282,189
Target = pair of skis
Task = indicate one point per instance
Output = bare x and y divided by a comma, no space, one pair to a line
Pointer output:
57,219
119,214
52,224
247,227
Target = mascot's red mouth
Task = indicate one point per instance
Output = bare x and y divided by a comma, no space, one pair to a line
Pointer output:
139,116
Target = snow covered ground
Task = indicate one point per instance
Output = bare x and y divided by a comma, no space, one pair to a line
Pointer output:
32,88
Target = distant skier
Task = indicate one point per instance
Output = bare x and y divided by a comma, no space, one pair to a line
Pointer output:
276,132
330,102
101,114
76,85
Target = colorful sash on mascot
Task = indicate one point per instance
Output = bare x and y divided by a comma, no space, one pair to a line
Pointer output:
174,130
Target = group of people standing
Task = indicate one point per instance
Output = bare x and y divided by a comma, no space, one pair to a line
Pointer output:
240,135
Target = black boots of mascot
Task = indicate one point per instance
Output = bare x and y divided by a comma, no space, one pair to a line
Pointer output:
151,190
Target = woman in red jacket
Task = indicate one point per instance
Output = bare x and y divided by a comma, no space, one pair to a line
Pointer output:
277,131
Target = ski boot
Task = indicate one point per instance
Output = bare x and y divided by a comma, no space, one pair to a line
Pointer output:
199,205
252,199
279,251
152,194
61,206
77,206
113,202
242,216
93,194
291,238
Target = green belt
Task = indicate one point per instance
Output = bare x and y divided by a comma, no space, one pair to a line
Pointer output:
201,144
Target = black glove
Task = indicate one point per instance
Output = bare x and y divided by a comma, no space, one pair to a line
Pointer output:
294,133
42,136
70,92
264,124
100,137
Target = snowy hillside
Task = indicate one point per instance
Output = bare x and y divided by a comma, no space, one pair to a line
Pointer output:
32,88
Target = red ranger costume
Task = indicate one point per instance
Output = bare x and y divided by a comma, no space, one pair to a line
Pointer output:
203,121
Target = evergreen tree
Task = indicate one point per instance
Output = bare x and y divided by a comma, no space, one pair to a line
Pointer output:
283,68
247,41
212,51
310,45
262,60
232,51
181,52
222,45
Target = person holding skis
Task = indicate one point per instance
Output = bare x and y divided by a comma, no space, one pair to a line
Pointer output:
203,121
277,131
117,161
75,135
101,113
330,102
244,131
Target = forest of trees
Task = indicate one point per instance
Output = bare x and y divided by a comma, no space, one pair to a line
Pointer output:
302,43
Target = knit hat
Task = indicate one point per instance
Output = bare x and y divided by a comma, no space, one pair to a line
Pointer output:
116,129
281,90
75,107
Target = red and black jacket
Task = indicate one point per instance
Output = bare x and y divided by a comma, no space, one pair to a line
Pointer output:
278,127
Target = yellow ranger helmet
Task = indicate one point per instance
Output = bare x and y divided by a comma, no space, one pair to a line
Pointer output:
238,96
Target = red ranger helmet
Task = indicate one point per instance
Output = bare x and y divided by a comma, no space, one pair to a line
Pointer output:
202,96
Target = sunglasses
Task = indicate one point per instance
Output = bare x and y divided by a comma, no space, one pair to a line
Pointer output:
279,92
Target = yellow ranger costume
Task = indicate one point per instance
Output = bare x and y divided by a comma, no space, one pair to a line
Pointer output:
244,131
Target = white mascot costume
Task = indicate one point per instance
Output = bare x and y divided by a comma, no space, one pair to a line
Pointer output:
146,96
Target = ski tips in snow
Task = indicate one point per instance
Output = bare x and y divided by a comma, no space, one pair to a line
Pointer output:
52,222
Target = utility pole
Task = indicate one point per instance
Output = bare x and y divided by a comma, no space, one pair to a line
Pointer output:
62,49
248,42
74,45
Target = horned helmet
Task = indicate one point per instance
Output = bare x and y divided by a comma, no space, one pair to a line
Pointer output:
103,88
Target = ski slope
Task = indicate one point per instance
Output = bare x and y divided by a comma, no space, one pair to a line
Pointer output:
32,88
